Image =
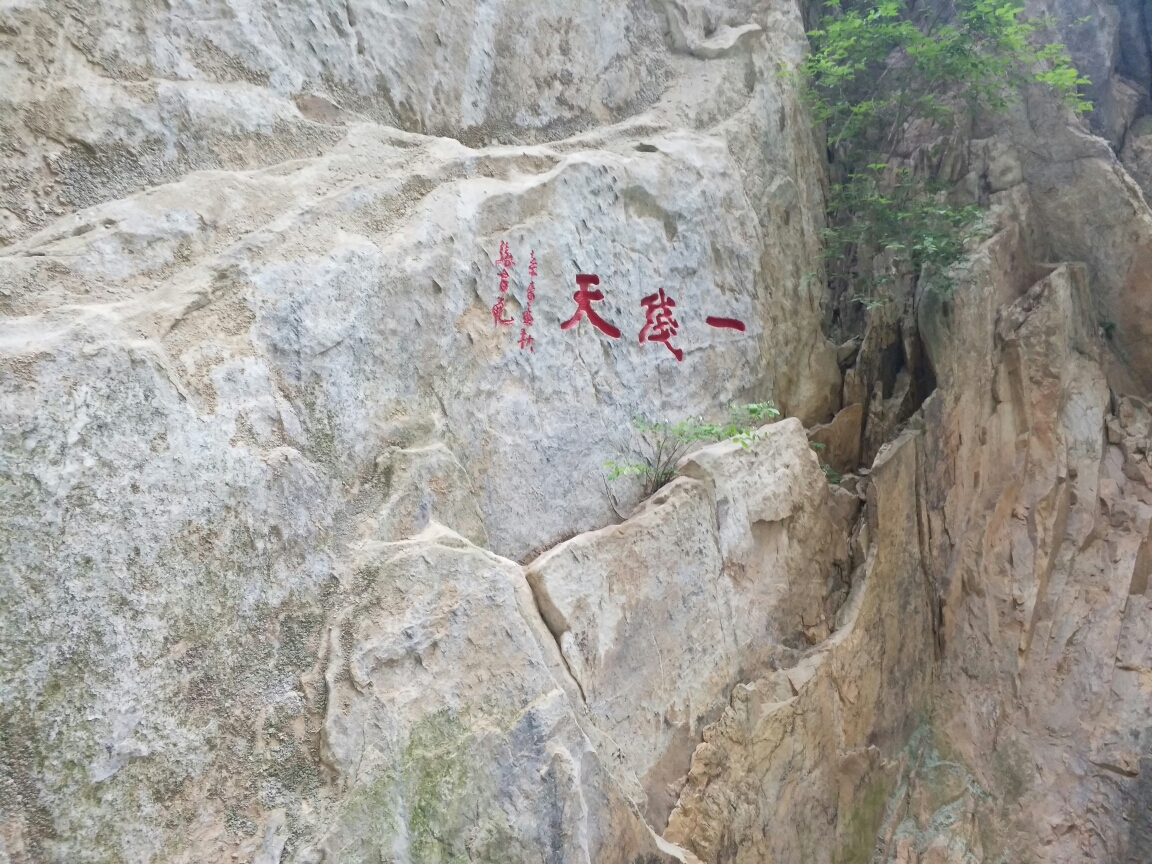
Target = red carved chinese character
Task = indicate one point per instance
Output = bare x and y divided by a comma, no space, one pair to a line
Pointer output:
526,318
526,340
659,325
505,257
584,298
532,264
728,323
498,314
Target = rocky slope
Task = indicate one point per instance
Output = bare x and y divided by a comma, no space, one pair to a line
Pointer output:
306,556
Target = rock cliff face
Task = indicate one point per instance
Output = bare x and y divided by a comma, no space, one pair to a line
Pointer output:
305,551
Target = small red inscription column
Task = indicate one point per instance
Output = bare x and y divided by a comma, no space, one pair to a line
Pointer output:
504,261
526,316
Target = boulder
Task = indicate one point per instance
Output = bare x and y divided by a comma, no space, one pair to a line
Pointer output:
725,571
840,439
447,734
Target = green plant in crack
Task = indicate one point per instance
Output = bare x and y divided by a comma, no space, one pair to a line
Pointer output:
830,473
903,218
661,444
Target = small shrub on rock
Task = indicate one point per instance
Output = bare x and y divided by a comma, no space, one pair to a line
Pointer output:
662,444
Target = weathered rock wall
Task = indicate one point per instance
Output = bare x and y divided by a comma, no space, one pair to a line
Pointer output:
1035,514
303,552
250,374
1037,510
800,765
1035,497
1041,596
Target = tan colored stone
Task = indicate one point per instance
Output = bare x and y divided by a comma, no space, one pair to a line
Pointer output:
721,573
446,731
841,439
807,779
1032,572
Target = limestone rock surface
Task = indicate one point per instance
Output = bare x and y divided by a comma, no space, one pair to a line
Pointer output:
306,555
724,572
247,340
447,734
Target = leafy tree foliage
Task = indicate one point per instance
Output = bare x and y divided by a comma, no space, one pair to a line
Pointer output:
880,71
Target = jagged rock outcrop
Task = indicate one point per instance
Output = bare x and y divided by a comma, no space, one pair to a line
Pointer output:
799,766
1036,517
1037,504
1032,504
734,568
